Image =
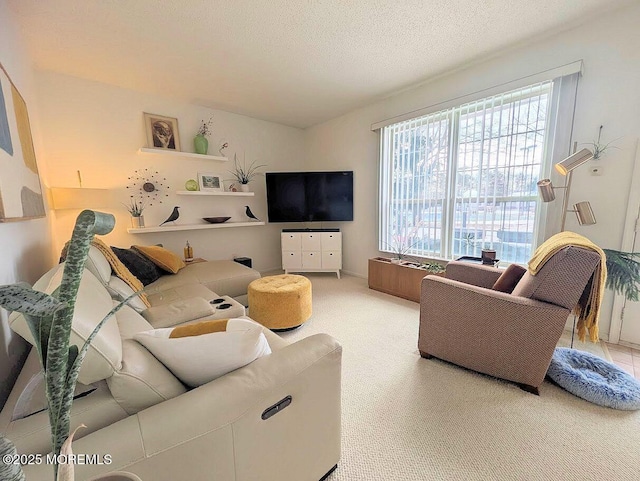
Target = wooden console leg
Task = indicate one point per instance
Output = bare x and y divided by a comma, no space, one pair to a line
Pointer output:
426,355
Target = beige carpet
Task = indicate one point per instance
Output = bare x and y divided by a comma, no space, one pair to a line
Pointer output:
407,418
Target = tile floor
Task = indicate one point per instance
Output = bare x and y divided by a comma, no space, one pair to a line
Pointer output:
625,357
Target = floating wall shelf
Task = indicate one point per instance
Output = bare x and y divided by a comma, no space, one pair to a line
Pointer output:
213,192
176,153
174,228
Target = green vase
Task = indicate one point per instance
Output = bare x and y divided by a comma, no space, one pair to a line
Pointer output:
201,144
191,185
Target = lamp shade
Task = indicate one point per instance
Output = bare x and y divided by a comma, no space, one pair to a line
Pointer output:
573,161
74,198
545,187
584,213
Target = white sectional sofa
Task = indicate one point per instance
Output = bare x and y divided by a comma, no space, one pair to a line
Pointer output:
185,296
155,427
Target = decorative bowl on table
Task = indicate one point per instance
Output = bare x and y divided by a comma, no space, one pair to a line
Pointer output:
216,220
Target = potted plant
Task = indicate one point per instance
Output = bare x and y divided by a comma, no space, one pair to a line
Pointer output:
433,267
623,273
200,142
400,248
49,317
599,148
243,174
401,278
136,208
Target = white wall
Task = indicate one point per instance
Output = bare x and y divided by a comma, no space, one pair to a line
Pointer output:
24,246
98,129
608,95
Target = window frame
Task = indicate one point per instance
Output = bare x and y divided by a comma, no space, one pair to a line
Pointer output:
450,200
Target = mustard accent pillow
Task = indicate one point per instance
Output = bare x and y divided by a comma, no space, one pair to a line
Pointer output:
163,258
198,328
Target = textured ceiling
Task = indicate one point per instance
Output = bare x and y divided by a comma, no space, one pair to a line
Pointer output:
296,62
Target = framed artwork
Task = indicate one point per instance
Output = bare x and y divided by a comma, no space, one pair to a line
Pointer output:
210,182
162,132
20,189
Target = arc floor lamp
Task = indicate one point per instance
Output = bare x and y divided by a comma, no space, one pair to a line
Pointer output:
583,209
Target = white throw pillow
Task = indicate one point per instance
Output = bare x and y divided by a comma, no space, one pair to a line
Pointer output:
196,360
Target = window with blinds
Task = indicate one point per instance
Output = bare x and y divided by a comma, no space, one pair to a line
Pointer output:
463,179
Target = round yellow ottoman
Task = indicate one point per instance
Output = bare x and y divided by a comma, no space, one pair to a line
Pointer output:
280,302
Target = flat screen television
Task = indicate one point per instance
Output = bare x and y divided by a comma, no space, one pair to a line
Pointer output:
309,196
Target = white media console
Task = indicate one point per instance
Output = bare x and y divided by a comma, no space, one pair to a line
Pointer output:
311,250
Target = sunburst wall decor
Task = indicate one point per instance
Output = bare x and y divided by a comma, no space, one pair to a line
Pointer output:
148,186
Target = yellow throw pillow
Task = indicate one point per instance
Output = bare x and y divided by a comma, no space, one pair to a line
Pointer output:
199,328
163,258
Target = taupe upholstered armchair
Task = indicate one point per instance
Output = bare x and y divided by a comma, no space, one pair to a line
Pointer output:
510,336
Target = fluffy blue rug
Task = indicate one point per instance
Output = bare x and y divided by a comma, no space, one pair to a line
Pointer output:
594,379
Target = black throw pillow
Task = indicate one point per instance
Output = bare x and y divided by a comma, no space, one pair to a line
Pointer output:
509,278
141,267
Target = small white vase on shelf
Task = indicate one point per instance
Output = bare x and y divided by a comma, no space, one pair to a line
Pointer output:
137,222
244,188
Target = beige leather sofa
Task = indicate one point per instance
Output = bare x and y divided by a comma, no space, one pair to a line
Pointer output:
177,298
224,277
151,425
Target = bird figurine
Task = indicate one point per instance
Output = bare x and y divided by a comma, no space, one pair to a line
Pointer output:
249,213
174,215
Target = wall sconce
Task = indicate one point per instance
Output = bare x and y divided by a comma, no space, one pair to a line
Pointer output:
583,210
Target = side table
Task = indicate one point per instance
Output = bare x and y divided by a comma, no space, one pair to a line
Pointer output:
245,261
477,260
195,260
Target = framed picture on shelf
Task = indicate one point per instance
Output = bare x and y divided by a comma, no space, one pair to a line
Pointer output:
162,132
210,182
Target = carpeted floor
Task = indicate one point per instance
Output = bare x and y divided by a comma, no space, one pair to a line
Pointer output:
407,418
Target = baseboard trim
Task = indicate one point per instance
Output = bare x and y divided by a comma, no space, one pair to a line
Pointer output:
354,274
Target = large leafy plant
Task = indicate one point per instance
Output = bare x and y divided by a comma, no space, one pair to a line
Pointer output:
623,273
49,318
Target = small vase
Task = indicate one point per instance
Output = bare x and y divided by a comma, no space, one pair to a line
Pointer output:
191,185
244,188
201,144
137,222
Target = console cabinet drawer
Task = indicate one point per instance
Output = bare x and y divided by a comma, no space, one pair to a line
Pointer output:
291,259
331,260
291,241
331,241
311,251
312,259
311,242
